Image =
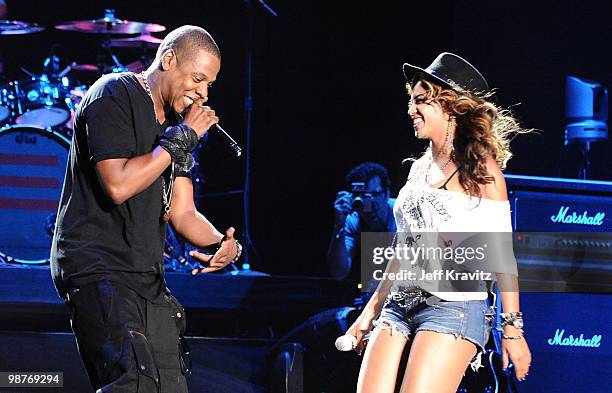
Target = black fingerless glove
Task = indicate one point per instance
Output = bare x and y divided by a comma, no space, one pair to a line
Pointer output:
185,163
179,141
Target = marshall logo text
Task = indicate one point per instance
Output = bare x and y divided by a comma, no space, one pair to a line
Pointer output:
571,341
566,217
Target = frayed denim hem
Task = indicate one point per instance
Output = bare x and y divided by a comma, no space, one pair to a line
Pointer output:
476,361
390,326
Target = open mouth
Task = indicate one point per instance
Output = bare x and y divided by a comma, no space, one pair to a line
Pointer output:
188,101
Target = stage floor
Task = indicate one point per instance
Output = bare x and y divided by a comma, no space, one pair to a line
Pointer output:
216,304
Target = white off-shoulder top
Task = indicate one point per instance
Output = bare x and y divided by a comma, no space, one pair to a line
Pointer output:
422,208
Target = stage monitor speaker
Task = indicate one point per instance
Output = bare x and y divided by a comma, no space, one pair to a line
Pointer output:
220,365
287,374
570,338
325,369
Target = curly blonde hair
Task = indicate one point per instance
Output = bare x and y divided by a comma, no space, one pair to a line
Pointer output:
483,130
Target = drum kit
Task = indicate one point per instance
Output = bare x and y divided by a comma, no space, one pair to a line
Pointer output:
48,99
36,116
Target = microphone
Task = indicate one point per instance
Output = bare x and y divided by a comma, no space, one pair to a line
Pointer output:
227,140
346,343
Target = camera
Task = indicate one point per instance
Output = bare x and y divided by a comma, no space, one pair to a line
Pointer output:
362,200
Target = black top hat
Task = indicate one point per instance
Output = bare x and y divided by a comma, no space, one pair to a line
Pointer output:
451,71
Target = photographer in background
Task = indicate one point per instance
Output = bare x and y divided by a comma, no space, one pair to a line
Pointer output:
366,208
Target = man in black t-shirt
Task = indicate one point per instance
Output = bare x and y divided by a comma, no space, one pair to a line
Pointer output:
127,175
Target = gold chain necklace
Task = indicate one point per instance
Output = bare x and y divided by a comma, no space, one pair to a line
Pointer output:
450,155
432,161
166,191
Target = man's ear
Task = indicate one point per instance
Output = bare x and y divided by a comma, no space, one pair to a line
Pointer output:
168,60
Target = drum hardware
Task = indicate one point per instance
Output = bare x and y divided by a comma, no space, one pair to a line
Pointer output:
10,106
110,25
44,100
38,112
139,65
49,99
116,65
142,41
15,27
84,67
146,43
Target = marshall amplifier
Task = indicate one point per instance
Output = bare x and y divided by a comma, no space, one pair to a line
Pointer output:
562,245
570,339
544,204
563,233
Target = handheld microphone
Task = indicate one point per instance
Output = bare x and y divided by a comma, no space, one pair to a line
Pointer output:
227,140
346,343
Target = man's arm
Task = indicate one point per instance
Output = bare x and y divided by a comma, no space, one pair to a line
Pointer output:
339,257
122,178
341,246
197,230
186,220
110,135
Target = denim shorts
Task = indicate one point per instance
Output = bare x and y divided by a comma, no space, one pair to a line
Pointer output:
469,319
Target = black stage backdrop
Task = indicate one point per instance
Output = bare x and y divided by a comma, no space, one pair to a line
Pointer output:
329,92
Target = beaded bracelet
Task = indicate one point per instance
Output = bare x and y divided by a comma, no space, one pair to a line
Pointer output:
511,315
238,247
514,319
505,336
239,253
511,337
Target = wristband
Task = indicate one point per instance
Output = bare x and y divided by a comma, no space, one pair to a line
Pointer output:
179,141
512,319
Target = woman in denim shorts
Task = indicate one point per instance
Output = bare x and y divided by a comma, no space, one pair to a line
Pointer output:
456,186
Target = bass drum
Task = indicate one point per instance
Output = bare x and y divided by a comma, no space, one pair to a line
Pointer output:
32,169
46,116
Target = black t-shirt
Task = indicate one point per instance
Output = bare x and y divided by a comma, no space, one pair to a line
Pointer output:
94,238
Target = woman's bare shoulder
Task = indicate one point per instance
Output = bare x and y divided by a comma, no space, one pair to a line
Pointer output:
495,190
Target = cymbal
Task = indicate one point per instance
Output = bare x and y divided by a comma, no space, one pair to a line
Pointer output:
79,91
110,26
142,41
139,65
15,27
85,67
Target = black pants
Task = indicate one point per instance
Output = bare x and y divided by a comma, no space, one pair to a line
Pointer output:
128,344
